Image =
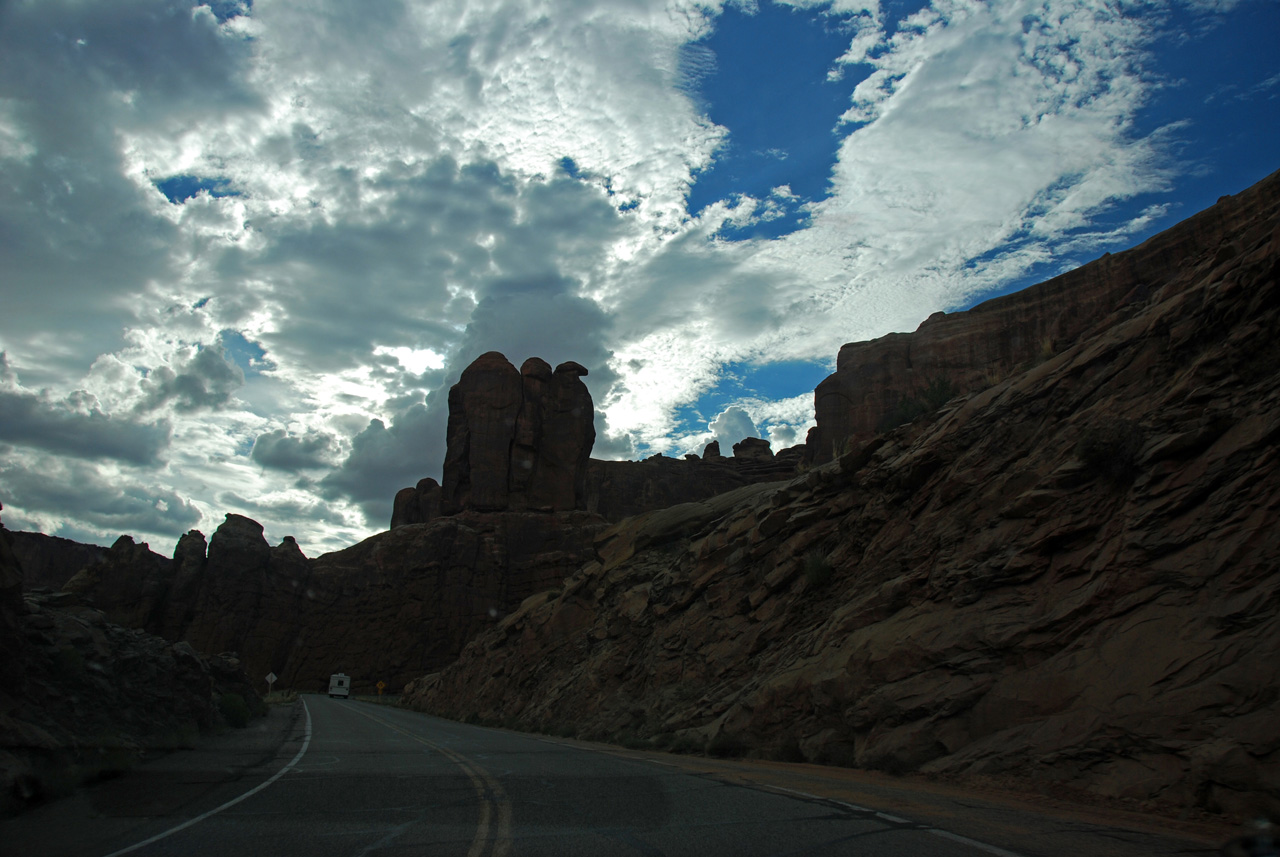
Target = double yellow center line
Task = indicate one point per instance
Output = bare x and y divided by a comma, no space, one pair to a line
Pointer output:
493,798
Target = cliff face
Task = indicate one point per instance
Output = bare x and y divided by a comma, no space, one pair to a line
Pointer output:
1067,580
620,489
48,562
969,351
389,608
81,697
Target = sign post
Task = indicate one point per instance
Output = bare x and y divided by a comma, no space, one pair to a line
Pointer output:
381,685
271,679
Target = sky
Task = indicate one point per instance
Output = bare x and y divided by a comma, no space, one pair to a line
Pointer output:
246,247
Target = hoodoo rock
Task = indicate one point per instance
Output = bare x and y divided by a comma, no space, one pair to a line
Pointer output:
416,505
517,440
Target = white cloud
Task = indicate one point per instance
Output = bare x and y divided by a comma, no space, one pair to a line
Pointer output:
400,203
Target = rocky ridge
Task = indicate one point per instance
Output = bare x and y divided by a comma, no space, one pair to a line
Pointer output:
876,383
81,697
48,562
503,526
1065,581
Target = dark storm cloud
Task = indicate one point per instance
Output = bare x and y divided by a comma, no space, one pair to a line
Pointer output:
279,450
76,427
62,490
207,380
384,459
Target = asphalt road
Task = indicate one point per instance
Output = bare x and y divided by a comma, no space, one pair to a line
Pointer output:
355,779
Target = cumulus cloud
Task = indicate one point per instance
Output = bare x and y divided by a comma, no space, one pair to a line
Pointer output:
76,426
731,426
382,460
207,380
280,450
382,192
76,500
81,230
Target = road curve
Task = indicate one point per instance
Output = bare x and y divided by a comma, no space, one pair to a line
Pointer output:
375,780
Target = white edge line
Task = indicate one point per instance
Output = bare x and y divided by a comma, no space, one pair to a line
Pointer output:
253,791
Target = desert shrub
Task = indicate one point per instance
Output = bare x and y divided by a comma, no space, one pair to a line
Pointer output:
234,710
817,569
1110,448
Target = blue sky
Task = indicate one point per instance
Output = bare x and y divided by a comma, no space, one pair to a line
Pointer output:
248,247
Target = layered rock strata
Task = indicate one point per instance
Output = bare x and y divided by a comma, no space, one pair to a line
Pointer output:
967,351
1069,580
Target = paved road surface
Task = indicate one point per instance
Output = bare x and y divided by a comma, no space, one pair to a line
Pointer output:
356,779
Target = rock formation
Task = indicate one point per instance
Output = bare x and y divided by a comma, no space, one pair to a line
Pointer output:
12,648
81,697
48,562
1066,581
619,489
517,440
131,583
968,351
416,505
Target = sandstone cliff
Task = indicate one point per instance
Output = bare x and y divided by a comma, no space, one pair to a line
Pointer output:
1068,580
876,383
517,440
48,562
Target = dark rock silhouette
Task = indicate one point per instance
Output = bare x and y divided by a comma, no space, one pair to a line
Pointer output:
48,562
1065,581
972,350
82,698
131,583
416,505
517,440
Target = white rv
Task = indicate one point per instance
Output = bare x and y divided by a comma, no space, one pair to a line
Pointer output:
339,685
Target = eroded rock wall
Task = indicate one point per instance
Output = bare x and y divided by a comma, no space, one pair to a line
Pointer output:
971,350
1069,580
